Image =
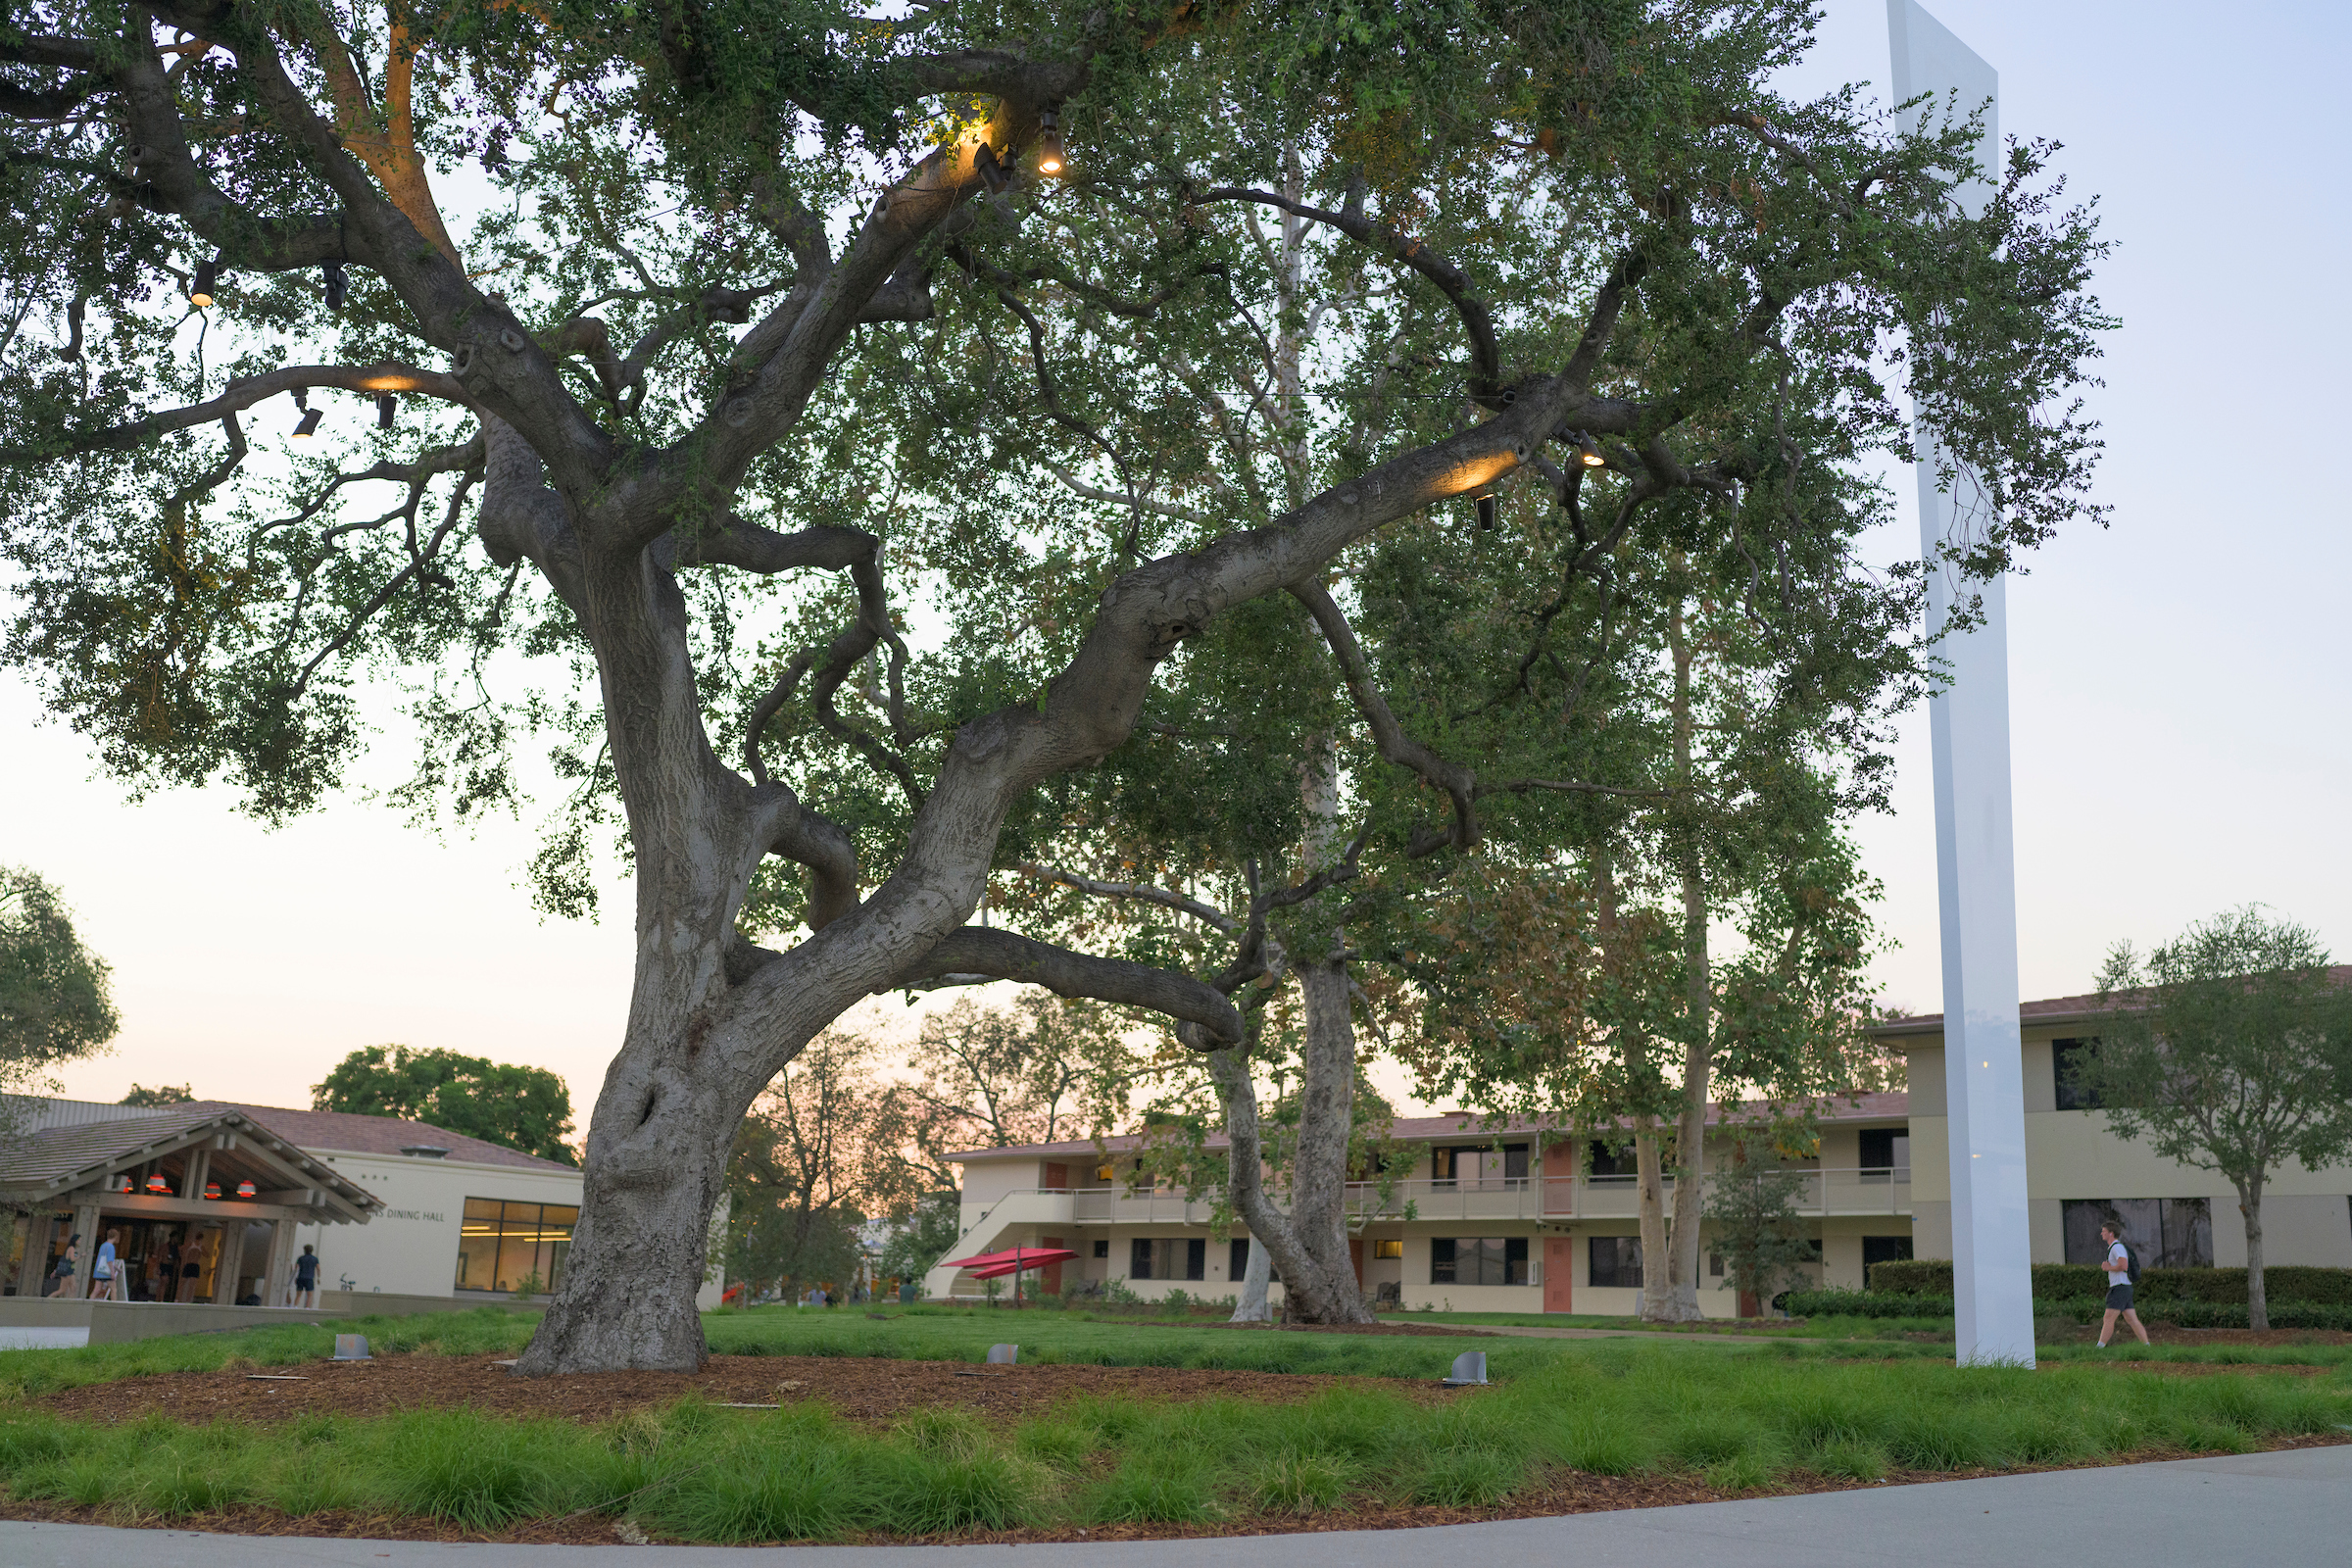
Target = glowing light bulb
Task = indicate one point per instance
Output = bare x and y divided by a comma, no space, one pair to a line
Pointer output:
206,280
308,425
1048,143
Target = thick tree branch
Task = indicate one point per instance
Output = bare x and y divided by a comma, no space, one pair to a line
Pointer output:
1002,955
241,394
1395,745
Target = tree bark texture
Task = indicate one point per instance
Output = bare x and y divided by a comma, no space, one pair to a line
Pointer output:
1250,1301
2258,1304
1298,1244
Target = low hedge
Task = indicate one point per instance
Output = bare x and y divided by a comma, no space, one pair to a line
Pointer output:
2282,1283
1864,1304
2210,1314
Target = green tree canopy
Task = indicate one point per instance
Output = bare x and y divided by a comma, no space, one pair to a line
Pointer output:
55,1004
837,434
159,1095
519,1107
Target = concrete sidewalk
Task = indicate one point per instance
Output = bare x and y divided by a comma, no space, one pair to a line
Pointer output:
2243,1509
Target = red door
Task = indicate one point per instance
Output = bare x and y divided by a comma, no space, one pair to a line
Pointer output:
1355,1255
1050,1275
1560,1273
1058,1178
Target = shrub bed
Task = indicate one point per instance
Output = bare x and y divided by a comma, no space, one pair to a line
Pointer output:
2058,1282
1735,1421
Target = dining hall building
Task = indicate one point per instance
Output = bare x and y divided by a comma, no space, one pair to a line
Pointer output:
212,1202
1531,1218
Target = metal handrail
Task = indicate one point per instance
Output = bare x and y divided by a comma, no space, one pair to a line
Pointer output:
1539,1197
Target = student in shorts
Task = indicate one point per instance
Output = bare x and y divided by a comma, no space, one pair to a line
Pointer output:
305,1279
2118,1265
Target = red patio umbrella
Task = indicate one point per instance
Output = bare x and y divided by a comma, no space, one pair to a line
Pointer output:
1014,1262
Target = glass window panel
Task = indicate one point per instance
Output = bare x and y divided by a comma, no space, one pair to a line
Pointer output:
1442,1260
477,1245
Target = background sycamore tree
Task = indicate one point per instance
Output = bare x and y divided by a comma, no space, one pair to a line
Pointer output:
830,437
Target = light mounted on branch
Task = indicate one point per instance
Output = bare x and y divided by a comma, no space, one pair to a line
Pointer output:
1588,454
309,426
333,273
1489,512
205,282
990,169
385,406
1048,143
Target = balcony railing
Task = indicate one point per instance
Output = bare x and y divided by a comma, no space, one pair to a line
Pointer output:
1844,1191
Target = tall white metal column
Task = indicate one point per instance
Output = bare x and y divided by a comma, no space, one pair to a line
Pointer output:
1975,859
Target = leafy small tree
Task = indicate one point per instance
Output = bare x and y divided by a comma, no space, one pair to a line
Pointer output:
2228,1049
526,1109
1041,1070
160,1094
54,1002
819,1152
923,1238
1751,1211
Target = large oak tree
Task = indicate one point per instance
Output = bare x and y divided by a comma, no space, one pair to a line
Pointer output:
823,429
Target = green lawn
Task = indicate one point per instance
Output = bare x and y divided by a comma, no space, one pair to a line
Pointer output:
1742,1416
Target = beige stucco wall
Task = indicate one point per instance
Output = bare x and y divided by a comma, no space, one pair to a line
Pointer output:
2307,1214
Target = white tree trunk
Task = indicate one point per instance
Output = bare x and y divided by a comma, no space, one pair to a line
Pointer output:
1250,1304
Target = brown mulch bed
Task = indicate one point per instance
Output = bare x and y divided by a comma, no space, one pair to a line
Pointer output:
1437,1329
2165,1334
861,1388
1565,1492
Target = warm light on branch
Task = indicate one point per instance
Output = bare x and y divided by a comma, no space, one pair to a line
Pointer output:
1048,143
206,279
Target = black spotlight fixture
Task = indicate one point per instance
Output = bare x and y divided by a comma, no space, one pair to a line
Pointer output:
1588,454
1490,512
991,171
309,426
384,406
202,286
333,272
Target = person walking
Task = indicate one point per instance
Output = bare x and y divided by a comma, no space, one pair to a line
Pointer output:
305,1279
2119,1272
63,1269
102,1272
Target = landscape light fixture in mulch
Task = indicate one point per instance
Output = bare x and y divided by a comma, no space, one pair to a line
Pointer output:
206,279
352,1347
1469,1371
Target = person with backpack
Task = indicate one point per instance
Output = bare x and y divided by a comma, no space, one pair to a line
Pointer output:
2122,1273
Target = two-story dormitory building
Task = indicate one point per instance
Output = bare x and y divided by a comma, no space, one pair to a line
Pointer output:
1531,1220
1521,1220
